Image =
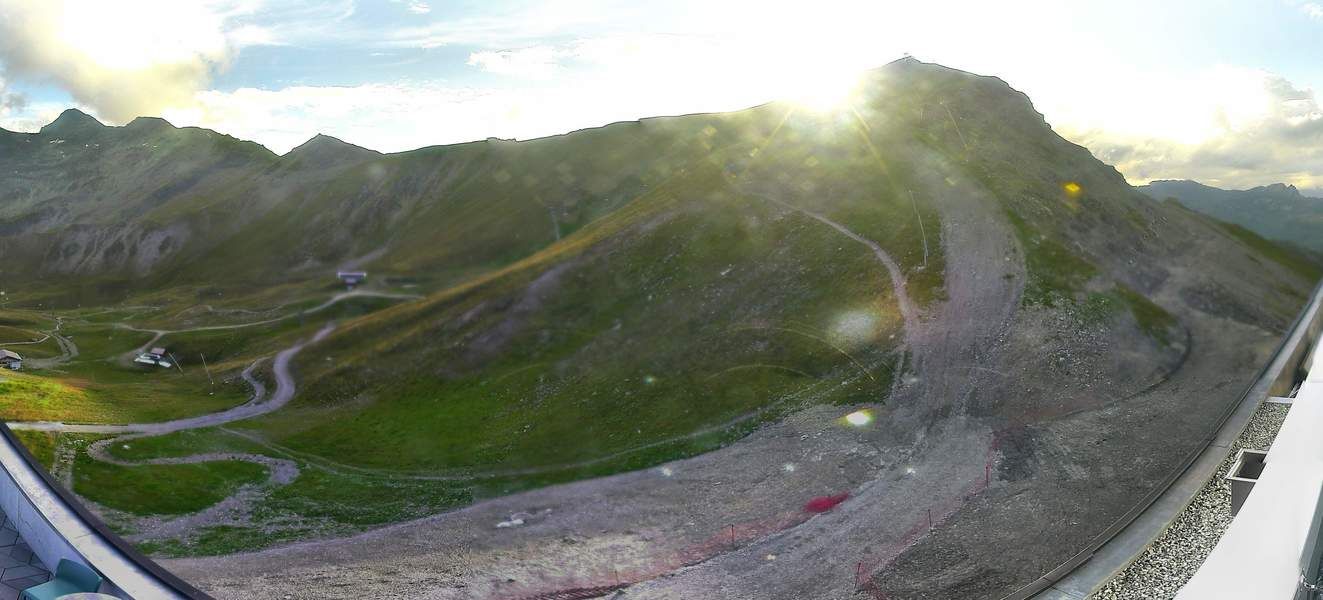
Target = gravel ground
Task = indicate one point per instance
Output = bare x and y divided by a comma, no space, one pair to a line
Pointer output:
1176,554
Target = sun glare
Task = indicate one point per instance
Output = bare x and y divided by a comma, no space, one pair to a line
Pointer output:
824,90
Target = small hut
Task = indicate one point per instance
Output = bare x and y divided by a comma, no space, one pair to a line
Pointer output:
10,360
351,278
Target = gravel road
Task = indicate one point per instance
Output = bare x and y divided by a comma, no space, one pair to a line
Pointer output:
68,351
285,390
237,507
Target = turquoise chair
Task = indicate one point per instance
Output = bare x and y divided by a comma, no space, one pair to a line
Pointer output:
70,578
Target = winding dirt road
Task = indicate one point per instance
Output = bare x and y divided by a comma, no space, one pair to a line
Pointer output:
68,351
285,390
238,506
342,296
908,312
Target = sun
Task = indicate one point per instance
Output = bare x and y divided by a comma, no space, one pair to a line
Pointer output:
824,90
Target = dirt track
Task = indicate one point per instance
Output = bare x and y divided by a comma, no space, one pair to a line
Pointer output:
127,357
234,508
285,390
68,351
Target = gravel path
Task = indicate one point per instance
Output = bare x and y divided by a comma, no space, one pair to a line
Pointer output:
68,351
236,508
30,343
908,312
128,357
1177,553
285,390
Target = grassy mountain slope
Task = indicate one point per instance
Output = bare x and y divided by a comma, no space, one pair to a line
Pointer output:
629,295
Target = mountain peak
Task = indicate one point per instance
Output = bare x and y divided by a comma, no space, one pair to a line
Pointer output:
322,139
148,124
1281,189
324,150
71,121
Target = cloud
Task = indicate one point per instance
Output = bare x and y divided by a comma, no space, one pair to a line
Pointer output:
518,24
595,80
126,58
30,115
10,102
1232,128
293,22
1313,10
598,80
404,115
538,62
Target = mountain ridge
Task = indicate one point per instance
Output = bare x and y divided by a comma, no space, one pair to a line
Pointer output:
81,115
1286,189
1277,211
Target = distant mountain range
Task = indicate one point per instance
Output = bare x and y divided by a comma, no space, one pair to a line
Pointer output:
1278,211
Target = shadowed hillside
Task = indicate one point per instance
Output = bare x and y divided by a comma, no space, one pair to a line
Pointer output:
1278,212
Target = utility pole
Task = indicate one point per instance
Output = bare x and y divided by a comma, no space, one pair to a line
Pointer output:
208,370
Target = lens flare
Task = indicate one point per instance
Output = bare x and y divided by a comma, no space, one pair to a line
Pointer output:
855,328
859,418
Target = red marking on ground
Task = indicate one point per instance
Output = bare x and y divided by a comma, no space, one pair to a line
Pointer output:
822,504
577,593
605,579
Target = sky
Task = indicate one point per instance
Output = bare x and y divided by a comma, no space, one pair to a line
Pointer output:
1217,91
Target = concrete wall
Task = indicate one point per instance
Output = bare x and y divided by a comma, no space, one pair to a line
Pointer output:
44,539
55,530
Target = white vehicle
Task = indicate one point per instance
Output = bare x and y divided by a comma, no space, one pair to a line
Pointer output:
152,359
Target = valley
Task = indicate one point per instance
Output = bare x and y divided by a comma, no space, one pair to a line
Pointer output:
623,358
